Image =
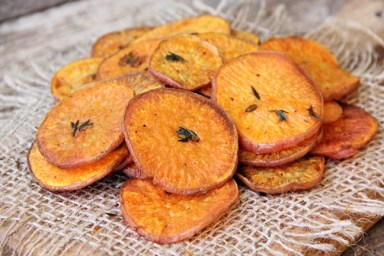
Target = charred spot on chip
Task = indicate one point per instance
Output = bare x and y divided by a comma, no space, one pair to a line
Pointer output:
130,59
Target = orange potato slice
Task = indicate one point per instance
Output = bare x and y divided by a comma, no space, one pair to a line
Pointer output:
344,137
133,58
302,174
200,24
54,178
134,172
166,218
73,76
183,140
273,104
113,42
281,157
85,126
332,112
139,82
229,46
318,62
185,62
125,163
244,35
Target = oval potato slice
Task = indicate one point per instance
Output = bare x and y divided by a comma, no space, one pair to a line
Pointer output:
318,62
54,178
344,137
155,128
85,126
113,42
185,62
332,112
74,75
200,24
166,218
302,174
133,58
269,99
244,35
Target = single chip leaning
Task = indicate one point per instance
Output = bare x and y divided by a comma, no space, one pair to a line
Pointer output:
244,35
344,137
166,218
183,140
200,24
85,126
134,172
229,46
280,157
185,62
134,58
302,174
73,76
318,62
268,97
113,42
332,112
54,178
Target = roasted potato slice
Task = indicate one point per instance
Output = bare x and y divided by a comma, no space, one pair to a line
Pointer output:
200,24
166,218
85,126
139,82
318,62
332,112
133,58
54,178
344,137
244,35
302,174
185,62
74,75
113,42
183,140
273,104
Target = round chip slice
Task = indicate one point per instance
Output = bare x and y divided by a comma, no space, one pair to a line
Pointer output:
134,58
113,42
302,174
184,141
332,112
54,178
200,24
185,62
166,218
244,35
73,76
139,82
318,62
273,104
342,138
281,157
85,126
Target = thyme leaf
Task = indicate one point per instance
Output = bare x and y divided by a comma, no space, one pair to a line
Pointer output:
174,57
76,128
255,93
251,108
312,113
186,135
130,60
280,114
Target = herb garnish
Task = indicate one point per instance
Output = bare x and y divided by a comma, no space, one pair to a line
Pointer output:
251,108
174,57
76,128
280,114
255,93
310,111
186,135
131,60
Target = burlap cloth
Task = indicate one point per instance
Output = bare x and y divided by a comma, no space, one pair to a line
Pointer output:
36,222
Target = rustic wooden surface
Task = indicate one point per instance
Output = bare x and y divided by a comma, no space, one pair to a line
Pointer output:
26,36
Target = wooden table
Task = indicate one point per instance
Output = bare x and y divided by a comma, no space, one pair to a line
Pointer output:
27,27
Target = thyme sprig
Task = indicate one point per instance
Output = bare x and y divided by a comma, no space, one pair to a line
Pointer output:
76,128
280,114
186,135
174,57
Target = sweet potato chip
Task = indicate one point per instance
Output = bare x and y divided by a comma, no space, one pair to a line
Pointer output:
244,35
166,218
302,174
85,126
318,62
185,62
134,172
200,24
139,82
332,112
281,157
125,163
229,47
73,76
183,140
113,42
133,58
54,178
344,137
273,104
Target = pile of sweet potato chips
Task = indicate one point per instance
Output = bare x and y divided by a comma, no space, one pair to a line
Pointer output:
272,107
